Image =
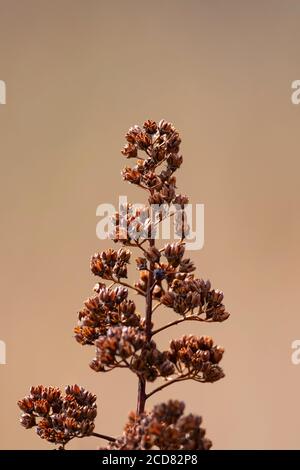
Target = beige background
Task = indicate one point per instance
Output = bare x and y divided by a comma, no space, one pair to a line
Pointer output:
78,74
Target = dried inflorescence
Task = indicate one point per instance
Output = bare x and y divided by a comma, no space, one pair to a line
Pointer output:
160,142
190,357
177,288
128,347
109,307
132,224
116,347
190,294
59,418
164,428
154,172
197,358
110,264
122,337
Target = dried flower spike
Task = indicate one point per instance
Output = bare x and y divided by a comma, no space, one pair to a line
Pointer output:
125,338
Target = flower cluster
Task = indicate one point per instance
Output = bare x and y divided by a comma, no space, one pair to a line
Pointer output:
117,346
183,292
59,418
174,253
132,223
165,428
110,264
190,357
162,271
128,347
184,295
160,144
197,358
109,307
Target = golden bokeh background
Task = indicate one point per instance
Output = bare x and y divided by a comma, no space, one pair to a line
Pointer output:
78,74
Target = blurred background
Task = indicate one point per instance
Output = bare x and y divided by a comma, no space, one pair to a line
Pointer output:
78,75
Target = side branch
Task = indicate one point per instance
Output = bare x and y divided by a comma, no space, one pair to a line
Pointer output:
166,384
156,306
103,436
176,322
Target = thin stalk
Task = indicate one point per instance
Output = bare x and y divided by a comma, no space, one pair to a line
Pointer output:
166,384
176,322
141,400
103,436
156,306
142,383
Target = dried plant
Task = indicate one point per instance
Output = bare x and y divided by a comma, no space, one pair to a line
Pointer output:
123,337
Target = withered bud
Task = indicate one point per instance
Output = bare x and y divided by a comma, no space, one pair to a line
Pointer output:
216,354
130,151
174,161
174,252
123,255
27,420
206,342
132,133
168,299
26,404
212,373
165,127
186,266
142,140
150,126
166,368
97,266
181,200
220,316
42,407
131,175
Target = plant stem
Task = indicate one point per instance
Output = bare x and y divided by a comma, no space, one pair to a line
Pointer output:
103,436
176,322
149,298
166,384
142,383
156,306
141,400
